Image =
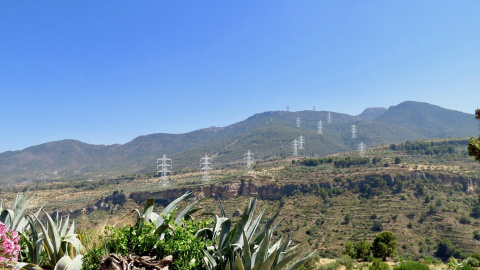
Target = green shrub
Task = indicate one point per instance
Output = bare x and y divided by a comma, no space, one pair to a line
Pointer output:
377,264
362,250
329,266
346,261
411,266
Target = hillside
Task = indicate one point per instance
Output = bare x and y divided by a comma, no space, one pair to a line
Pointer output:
268,135
426,196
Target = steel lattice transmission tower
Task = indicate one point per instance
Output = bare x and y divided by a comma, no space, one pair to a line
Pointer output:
361,149
301,142
163,168
249,161
288,108
353,128
205,162
320,127
295,147
298,122
329,118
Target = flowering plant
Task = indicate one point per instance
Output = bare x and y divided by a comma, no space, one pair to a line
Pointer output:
9,248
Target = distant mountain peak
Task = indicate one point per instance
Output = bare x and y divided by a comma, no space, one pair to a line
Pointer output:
213,129
371,113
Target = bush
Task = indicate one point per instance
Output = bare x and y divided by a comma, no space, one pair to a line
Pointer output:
411,266
349,250
465,220
346,261
362,249
377,226
384,245
377,264
445,250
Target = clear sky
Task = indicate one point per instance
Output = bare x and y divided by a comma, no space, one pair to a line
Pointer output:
104,72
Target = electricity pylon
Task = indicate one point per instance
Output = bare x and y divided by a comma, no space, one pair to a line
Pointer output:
206,167
162,164
361,149
288,108
298,122
249,161
295,147
329,118
301,141
353,128
320,127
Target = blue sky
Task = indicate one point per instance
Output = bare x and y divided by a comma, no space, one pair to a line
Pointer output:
104,72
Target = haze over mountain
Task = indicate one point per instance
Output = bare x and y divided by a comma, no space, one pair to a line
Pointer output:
267,135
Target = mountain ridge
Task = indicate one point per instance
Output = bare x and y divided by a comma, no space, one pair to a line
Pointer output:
271,132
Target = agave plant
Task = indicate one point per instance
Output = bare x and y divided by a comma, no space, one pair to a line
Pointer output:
63,248
13,217
238,249
159,219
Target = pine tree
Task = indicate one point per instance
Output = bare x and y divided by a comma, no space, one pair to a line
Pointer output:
473,144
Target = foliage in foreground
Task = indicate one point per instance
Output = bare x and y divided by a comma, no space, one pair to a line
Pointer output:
241,247
474,144
156,235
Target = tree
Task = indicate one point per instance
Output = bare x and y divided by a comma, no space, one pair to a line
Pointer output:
363,250
398,160
384,245
349,250
378,265
445,249
473,144
348,217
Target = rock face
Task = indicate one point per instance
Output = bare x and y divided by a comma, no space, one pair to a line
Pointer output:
270,191
267,190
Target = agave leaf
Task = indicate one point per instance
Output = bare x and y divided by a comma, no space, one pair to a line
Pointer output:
72,228
299,263
251,230
238,262
263,249
267,264
47,242
265,228
247,257
282,249
209,260
153,217
19,213
186,212
281,264
75,243
225,226
53,234
63,263
139,215
208,232
248,214
63,231
26,266
38,250
6,217
275,246
77,263
148,212
222,209
174,204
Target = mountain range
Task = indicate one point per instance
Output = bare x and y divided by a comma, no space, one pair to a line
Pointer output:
267,135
